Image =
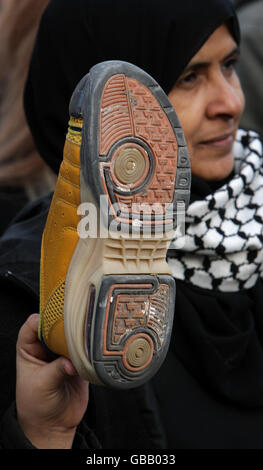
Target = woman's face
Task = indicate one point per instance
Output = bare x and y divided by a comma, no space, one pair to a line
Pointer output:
209,102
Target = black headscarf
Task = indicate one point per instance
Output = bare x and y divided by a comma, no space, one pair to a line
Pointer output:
160,36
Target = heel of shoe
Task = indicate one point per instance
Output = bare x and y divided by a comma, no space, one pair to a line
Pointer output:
131,328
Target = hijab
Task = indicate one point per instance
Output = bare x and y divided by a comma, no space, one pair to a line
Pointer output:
160,36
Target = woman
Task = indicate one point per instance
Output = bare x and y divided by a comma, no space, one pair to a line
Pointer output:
208,393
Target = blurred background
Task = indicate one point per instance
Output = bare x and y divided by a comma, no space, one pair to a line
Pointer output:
250,67
23,174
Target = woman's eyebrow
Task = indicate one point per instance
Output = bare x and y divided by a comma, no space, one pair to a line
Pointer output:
201,64
234,53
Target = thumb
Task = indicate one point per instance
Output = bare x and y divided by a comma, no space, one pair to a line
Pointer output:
58,371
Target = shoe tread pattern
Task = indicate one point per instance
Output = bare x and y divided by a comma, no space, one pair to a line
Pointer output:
129,108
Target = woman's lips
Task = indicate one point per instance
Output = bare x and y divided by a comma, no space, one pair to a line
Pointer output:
221,142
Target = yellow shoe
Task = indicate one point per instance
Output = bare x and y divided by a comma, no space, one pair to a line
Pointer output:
107,294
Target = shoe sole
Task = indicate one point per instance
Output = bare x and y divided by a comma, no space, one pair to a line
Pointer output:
119,292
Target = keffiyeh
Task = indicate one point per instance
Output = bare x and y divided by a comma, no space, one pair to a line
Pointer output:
223,243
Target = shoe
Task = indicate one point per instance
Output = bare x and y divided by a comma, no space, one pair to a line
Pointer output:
107,296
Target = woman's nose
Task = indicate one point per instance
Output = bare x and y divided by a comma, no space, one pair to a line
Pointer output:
225,98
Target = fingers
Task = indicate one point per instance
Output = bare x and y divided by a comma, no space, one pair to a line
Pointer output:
28,341
30,348
58,371
28,332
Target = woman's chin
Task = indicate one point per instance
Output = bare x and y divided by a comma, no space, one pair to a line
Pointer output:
214,169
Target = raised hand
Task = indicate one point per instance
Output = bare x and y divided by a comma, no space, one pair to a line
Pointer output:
51,398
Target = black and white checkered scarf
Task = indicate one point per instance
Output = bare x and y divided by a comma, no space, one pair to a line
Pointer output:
223,243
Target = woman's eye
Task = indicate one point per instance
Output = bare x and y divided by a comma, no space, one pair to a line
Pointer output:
188,79
230,65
